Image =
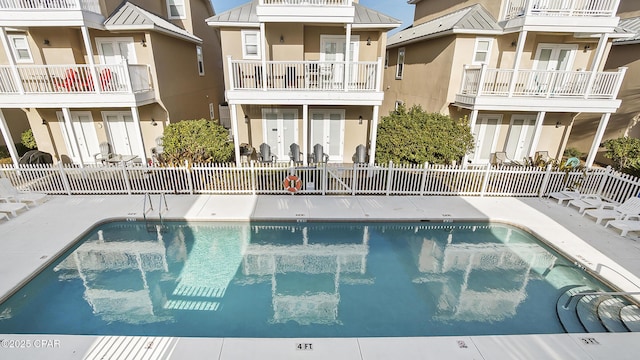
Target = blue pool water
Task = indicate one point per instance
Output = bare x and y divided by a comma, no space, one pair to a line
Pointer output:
297,280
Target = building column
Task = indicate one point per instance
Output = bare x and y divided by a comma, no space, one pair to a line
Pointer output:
138,130
522,38
536,133
374,135
263,55
71,131
472,124
92,66
347,59
305,134
234,130
595,65
6,135
604,120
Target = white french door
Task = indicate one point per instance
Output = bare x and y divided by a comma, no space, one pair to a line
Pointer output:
486,134
280,130
121,132
520,136
555,56
327,129
113,50
84,131
333,50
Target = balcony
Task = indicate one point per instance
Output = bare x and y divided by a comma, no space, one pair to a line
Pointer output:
316,11
309,80
539,90
74,85
50,13
562,15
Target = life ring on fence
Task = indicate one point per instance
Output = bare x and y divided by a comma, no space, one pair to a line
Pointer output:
292,183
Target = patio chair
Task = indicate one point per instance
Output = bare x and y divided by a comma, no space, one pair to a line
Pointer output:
565,194
105,153
629,208
625,225
265,154
11,208
295,154
7,191
589,201
500,158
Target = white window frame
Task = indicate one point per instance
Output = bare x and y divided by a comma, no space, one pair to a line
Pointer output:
200,60
15,50
246,55
178,4
280,152
476,51
400,64
326,119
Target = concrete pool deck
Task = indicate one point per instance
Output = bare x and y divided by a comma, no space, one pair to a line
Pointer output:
36,236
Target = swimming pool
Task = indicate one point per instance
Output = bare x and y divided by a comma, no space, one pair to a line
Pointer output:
298,280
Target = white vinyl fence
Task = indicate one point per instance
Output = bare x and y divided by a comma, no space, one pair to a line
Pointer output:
319,179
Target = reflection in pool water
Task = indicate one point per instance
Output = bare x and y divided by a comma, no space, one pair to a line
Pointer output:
297,280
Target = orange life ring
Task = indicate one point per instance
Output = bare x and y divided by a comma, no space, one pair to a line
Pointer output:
292,183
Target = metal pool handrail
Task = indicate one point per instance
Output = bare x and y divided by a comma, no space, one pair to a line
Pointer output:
566,305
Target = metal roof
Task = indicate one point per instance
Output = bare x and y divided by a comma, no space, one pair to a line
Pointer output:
473,20
630,25
246,14
131,17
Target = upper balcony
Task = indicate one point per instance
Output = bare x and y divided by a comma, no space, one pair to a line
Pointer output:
21,13
576,16
539,90
311,11
311,82
73,85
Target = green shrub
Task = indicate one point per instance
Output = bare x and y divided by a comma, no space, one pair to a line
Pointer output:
572,152
196,141
28,140
624,152
415,136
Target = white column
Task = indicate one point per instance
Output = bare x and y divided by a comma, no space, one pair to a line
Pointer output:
522,38
71,131
472,124
92,66
595,65
374,135
263,55
597,139
6,135
305,134
138,130
234,129
12,62
347,59
537,131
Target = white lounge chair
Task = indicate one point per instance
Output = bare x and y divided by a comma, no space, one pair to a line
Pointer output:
587,202
7,191
625,225
628,208
12,208
563,195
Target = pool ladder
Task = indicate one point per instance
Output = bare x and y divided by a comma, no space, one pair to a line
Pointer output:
150,226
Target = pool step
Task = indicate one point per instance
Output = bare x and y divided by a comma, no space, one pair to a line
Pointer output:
566,309
609,314
587,309
630,315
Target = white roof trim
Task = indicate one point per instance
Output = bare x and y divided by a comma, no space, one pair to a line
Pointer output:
232,24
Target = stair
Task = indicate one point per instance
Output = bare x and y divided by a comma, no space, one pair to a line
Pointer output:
630,316
566,309
609,314
587,309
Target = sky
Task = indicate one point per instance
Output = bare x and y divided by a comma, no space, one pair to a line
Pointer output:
398,9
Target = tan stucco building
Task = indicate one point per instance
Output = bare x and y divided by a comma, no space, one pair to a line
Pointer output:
292,78
82,73
519,71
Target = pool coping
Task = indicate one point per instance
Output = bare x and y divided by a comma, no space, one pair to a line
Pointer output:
28,248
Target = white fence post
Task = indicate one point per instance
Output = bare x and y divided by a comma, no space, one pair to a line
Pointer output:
187,173
254,181
485,181
423,181
325,172
126,177
63,176
354,179
604,180
545,181
389,177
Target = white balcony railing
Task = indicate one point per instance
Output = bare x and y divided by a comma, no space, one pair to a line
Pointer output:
51,5
307,2
541,83
304,75
74,78
579,8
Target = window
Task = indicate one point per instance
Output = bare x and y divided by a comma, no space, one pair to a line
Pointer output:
482,51
20,47
251,44
386,60
200,60
398,104
400,65
176,9
114,50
